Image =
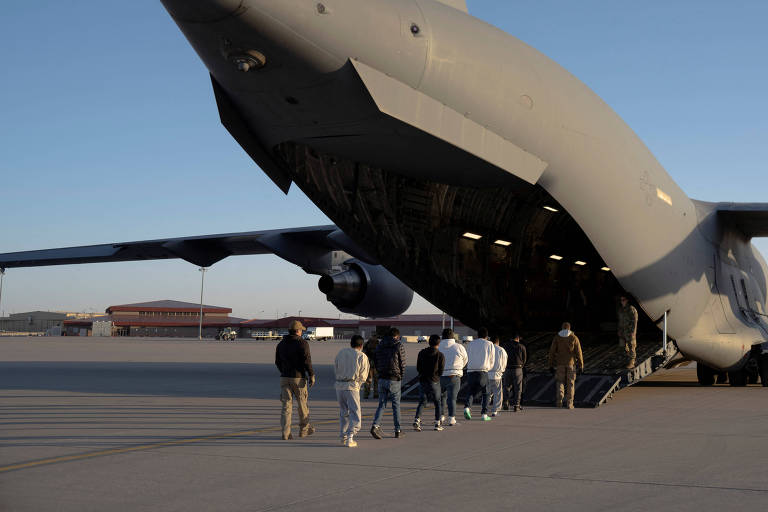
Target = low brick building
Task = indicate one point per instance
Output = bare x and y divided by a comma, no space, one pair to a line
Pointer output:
167,318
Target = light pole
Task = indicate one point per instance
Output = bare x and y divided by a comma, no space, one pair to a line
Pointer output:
299,313
2,275
202,283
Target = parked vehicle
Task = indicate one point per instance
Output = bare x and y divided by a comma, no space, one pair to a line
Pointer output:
228,334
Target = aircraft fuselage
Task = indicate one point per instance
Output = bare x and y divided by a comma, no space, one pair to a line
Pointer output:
410,123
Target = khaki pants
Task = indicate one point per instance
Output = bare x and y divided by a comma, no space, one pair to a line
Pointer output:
289,388
629,344
565,377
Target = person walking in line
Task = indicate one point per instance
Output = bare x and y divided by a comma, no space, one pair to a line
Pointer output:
369,349
430,365
351,370
450,381
517,356
565,354
481,356
294,361
627,329
390,365
495,376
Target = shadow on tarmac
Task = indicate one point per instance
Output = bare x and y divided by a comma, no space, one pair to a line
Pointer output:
214,380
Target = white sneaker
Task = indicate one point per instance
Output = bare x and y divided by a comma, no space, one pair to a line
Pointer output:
343,440
438,426
442,420
451,421
485,417
351,443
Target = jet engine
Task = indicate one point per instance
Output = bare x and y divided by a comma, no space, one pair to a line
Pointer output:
366,290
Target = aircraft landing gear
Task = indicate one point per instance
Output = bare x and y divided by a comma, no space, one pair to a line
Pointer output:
738,378
705,375
763,367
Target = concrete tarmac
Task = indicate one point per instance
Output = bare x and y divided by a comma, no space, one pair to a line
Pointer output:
155,424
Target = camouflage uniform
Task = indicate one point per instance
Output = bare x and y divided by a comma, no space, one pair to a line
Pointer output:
369,349
565,354
628,331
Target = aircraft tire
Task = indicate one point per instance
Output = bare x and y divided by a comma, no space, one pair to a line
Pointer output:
763,365
722,378
753,376
738,378
705,375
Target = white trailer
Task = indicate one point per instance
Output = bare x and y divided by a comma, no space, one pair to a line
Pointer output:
319,333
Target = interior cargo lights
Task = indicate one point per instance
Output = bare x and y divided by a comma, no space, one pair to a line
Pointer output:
472,236
555,257
580,263
606,269
503,243
551,209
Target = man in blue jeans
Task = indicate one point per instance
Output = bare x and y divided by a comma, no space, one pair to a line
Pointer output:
390,366
482,355
430,365
450,380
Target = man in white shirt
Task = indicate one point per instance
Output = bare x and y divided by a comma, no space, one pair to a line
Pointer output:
450,381
495,376
351,368
481,356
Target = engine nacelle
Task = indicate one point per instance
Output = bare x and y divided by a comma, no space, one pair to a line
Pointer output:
366,290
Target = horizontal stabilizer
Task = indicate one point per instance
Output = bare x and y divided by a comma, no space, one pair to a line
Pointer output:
749,218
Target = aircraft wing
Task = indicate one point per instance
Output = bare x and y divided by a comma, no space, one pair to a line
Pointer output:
307,247
749,218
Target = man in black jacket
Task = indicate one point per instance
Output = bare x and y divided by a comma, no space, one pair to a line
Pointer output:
430,364
390,365
294,361
517,356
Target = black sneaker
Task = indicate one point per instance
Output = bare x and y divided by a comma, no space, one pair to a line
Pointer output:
376,432
518,408
399,434
308,431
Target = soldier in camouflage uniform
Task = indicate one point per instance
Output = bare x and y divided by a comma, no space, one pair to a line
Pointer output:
628,329
369,349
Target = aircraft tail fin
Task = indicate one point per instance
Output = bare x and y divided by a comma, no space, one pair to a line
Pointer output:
749,218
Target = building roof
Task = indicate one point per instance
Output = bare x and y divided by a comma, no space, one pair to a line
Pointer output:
167,305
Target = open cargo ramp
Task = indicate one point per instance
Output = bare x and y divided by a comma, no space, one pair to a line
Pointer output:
604,372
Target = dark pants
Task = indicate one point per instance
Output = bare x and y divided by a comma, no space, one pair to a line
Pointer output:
388,390
449,387
513,386
477,382
429,390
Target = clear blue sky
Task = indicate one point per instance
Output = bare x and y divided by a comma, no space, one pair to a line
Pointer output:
109,132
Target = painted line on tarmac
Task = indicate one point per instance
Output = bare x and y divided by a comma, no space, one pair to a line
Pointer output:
150,446
141,447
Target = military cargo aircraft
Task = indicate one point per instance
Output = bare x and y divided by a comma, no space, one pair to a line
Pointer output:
461,163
